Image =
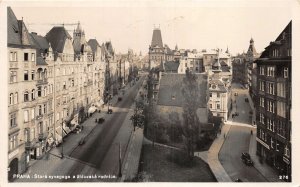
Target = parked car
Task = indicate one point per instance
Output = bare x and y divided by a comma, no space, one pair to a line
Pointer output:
246,100
238,180
235,94
247,159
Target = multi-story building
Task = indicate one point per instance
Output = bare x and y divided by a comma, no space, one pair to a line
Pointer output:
273,111
240,70
21,92
156,49
250,57
192,61
50,82
218,91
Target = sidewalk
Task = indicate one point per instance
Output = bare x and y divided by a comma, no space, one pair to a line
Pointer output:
211,157
269,173
131,162
52,161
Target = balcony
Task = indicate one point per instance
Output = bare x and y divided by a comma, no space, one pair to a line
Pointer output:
88,83
42,81
30,144
13,65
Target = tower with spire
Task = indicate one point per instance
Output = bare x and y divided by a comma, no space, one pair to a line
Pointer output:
156,49
78,38
251,49
218,91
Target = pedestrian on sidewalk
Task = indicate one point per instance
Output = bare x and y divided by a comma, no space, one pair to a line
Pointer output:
47,155
251,132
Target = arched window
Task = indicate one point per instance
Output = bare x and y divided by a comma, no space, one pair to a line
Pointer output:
40,110
11,98
26,96
33,94
45,74
39,91
16,98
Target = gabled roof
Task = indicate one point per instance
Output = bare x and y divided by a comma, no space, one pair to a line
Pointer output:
286,33
94,44
168,50
40,41
40,61
170,90
171,66
57,37
17,33
220,84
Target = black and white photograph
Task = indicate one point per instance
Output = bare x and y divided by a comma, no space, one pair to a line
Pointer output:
149,91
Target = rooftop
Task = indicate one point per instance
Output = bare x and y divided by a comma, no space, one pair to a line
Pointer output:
57,37
170,90
156,38
171,66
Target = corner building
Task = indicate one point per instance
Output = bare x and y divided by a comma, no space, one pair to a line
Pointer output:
53,80
274,104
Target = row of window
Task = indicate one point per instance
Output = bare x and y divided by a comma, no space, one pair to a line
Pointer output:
30,96
218,106
211,95
269,87
30,114
157,57
280,125
281,106
274,144
271,71
27,77
13,57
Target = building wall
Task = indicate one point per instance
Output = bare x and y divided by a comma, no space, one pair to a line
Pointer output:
273,104
218,103
17,87
65,86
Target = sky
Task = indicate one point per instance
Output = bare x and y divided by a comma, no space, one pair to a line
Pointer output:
192,25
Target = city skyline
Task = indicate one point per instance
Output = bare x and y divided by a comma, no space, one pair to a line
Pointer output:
204,26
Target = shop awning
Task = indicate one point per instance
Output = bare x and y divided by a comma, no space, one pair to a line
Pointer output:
92,109
58,134
66,129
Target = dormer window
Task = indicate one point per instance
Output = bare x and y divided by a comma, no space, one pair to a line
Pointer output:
15,29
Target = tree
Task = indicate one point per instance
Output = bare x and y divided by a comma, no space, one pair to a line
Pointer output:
138,117
191,123
81,114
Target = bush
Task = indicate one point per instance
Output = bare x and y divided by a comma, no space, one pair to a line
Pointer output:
175,133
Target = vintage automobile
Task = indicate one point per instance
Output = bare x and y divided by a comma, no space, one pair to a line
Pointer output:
247,159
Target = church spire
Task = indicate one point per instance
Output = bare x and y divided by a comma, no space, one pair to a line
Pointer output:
227,51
